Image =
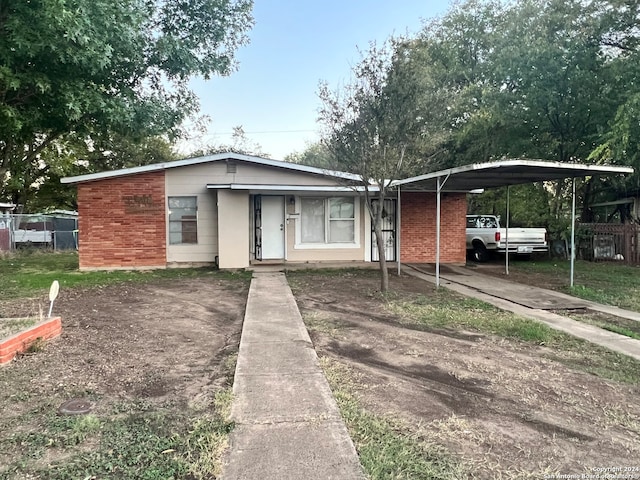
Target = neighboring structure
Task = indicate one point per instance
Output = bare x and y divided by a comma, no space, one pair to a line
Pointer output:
238,210
5,225
56,230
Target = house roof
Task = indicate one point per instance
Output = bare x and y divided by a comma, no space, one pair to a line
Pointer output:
503,173
458,179
210,158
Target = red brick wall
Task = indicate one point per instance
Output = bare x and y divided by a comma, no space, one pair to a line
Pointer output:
418,234
122,222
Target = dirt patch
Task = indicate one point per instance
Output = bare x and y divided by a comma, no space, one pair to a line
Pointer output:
501,406
164,343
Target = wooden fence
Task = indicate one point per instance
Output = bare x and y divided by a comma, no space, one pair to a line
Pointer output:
605,242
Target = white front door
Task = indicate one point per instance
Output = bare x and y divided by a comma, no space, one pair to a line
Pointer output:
272,227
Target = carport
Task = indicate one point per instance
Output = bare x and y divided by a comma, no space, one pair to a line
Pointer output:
503,173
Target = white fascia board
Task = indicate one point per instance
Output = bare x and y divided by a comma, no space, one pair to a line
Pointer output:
290,188
211,158
581,169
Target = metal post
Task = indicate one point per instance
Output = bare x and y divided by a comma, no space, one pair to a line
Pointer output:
506,235
439,188
440,183
398,228
573,228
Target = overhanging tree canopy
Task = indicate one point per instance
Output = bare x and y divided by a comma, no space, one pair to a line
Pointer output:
97,67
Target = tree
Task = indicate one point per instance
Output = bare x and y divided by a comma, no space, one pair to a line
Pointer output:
374,126
240,144
549,79
315,155
77,70
80,157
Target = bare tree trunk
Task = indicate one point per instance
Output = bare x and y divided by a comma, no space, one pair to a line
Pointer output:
377,228
376,221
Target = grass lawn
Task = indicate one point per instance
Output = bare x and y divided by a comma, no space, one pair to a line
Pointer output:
24,274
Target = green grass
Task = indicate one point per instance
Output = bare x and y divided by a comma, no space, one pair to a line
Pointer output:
623,326
607,283
25,274
144,443
385,448
622,331
446,309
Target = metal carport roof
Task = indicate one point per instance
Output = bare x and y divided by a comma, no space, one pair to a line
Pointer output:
502,173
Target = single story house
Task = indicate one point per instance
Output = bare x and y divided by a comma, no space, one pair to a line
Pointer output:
240,210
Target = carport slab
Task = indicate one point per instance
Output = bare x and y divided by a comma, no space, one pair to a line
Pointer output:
529,297
503,288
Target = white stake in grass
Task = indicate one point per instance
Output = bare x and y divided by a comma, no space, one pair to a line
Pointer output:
53,294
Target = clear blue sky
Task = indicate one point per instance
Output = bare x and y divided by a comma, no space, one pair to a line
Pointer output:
294,45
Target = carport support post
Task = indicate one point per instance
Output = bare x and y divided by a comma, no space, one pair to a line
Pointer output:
506,236
398,225
440,184
573,228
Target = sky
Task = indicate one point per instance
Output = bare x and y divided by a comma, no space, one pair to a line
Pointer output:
293,46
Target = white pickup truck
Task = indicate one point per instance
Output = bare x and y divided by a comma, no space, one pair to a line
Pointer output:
484,236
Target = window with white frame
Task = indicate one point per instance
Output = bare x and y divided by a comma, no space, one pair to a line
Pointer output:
327,220
183,220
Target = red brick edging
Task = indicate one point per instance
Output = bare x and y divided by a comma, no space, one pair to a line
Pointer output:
18,343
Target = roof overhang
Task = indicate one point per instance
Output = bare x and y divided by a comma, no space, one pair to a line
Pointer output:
289,189
156,167
503,173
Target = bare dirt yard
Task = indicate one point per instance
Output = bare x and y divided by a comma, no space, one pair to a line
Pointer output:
502,407
149,357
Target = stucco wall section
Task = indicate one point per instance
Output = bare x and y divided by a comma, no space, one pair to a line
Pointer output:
246,173
233,225
418,234
206,249
122,222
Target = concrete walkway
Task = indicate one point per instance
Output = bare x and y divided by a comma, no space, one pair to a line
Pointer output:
476,285
288,425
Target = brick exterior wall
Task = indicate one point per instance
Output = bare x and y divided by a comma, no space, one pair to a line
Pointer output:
418,234
122,222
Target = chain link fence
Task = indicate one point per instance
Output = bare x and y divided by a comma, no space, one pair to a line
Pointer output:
54,231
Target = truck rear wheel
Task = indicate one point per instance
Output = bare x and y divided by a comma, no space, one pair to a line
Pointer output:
480,253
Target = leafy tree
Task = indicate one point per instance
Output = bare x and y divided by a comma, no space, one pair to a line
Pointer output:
86,70
315,155
374,126
549,79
